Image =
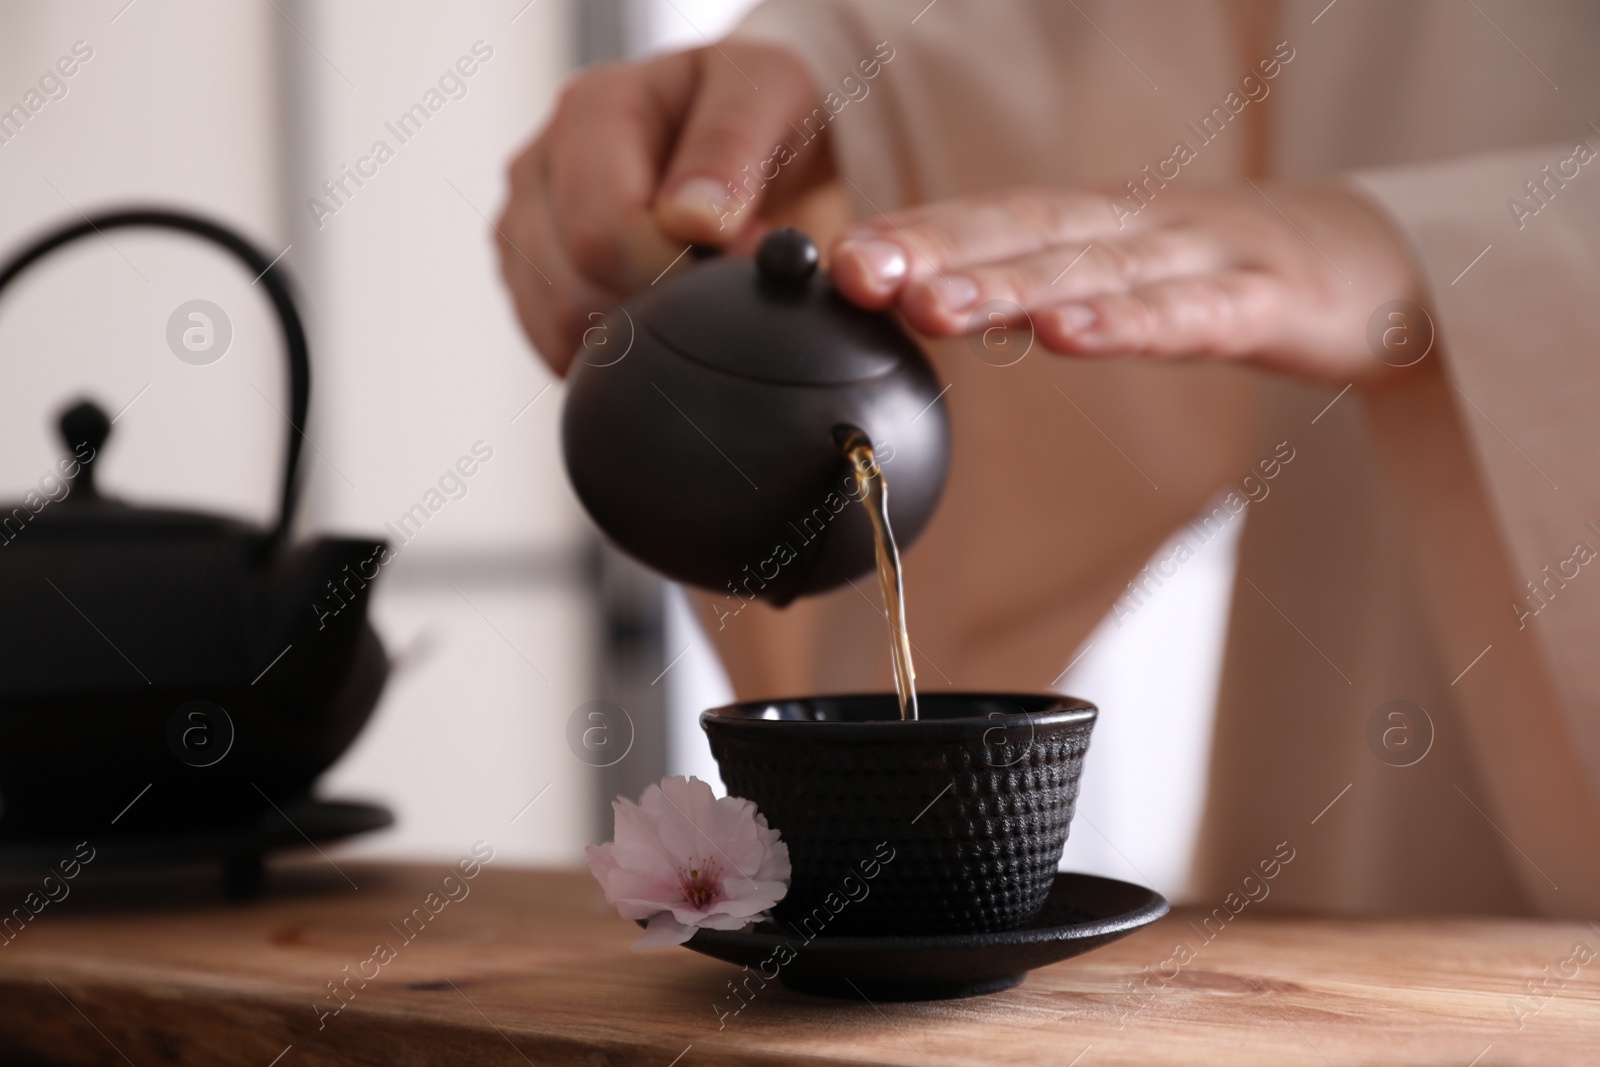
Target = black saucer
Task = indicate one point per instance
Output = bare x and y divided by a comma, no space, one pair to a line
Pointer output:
239,849
1082,912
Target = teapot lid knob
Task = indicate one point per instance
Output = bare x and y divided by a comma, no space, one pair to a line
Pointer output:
84,428
787,255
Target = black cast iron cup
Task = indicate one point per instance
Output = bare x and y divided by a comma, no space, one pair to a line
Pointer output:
951,823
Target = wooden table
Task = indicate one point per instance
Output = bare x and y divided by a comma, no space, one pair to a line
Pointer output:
531,967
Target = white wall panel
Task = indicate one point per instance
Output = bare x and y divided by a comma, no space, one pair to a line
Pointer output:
423,359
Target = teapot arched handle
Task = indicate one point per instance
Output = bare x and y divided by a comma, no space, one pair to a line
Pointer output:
265,271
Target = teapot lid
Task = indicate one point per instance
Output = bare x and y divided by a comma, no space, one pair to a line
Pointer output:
83,510
774,319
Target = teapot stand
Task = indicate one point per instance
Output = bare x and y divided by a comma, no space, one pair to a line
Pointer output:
238,851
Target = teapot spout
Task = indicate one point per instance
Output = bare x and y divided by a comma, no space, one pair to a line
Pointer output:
318,594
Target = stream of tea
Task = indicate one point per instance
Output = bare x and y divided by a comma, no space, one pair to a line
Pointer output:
875,495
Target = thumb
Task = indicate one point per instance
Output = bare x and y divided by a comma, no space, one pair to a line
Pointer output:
737,137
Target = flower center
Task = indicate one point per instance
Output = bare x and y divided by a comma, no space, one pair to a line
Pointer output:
701,885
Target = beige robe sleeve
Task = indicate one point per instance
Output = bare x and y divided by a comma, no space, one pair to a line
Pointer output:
1498,462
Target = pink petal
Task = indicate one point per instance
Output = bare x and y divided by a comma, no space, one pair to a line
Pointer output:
661,931
621,885
638,838
677,807
730,824
601,862
758,898
776,868
724,922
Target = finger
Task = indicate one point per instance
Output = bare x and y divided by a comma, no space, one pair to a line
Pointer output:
869,271
551,299
606,145
735,140
941,306
937,239
1223,315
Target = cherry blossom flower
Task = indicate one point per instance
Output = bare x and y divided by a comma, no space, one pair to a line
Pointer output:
684,858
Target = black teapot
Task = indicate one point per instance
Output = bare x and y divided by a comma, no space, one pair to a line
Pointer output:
166,670
705,417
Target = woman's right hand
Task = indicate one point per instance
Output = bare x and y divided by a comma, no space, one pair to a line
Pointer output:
639,161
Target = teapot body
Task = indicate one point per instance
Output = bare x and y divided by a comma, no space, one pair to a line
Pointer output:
719,464
188,653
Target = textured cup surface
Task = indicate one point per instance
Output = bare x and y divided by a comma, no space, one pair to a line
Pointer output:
950,823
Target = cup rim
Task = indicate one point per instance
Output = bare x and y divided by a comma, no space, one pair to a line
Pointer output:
1059,710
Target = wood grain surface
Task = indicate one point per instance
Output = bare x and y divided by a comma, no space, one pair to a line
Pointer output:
531,967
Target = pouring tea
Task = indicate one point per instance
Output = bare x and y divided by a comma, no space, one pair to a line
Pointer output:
875,495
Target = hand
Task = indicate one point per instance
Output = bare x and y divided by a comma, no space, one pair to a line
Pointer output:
636,164
1209,274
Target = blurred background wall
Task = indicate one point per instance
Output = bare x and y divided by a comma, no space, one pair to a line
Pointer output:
504,616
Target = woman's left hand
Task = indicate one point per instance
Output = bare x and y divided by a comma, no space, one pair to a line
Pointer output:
1287,283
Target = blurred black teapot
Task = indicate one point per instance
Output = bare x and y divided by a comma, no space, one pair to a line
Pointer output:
704,419
204,664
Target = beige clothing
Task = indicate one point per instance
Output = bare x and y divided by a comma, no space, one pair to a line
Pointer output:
1392,548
